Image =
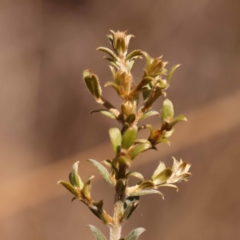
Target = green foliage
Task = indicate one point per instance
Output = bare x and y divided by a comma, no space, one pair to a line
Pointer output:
137,101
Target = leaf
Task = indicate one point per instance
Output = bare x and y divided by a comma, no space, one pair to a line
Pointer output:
87,188
163,176
130,208
129,137
116,139
104,112
134,54
74,178
149,114
136,175
135,233
146,184
159,169
108,51
102,170
131,118
92,83
179,118
139,149
167,111
114,85
69,187
172,70
97,233
147,192
124,160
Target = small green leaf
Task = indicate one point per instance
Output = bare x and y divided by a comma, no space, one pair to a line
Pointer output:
167,111
159,169
74,178
139,149
163,176
146,185
129,137
104,112
149,114
116,139
179,118
136,175
69,187
131,118
134,54
92,83
102,170
130,208
114,85
108,51
147,192
97,233
87,188
172,70
134,234
124,160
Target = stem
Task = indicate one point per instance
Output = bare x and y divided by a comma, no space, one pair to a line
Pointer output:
116,228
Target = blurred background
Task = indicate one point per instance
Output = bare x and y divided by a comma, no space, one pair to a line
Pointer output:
45,124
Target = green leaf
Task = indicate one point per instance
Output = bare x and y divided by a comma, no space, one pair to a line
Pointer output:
130,208
108,51
172,70
131,118
147,192
134,234
116,139
146,185
136,175
114,85
159,169
139,149
163,176
97,233
104,112
179,118
124,160
167,111
74,178
92,83
134,54
129,137
87,188
102,170
149,114
69,187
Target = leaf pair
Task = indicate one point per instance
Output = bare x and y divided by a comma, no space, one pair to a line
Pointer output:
133,235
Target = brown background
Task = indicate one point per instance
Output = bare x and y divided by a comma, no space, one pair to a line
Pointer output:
45,125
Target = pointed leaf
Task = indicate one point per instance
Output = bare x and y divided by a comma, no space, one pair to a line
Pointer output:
108,51
74,178
179,118
167,111
116,139
134,54
172,70
129,137
131,118
69,187
97,233
114,85
130,208
104,112
149,114
124,160
87,188
163,176
134,234
139,149
147,192
102,170
159,169
92,83
136,175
